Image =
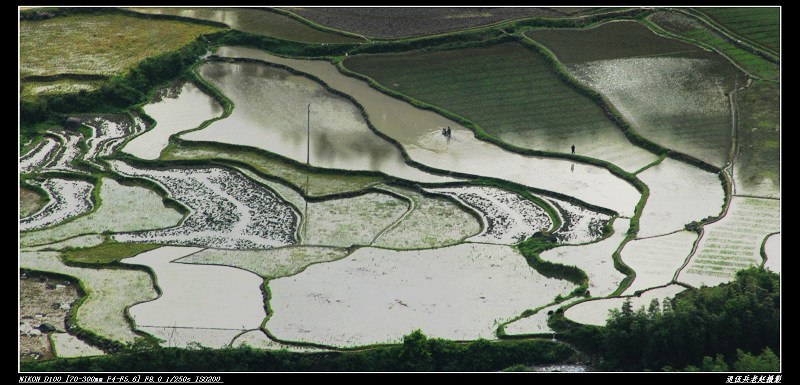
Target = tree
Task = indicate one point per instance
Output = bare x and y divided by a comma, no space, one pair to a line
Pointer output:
416,355
767,361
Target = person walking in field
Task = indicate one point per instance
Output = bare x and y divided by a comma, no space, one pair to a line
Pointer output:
573,148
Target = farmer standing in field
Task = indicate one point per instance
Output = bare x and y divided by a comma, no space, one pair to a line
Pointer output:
573,148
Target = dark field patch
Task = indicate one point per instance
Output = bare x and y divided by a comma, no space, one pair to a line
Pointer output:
43,300
393,22
613,40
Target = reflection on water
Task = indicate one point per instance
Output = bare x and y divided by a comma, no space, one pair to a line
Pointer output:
176,108
271,112
419,131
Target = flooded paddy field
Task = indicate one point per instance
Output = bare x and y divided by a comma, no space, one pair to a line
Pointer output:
677,102
275,110
419,132
68,199
109,292
213,302
458,292
772,249
431,222
313,183
277,190
175,109
511,92
679,194
595,259
657,260
122,208
733,243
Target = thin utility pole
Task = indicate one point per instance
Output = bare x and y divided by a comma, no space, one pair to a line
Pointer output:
308,164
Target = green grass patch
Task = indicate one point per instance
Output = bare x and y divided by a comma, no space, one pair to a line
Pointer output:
759,25
33,88
108,252
105,43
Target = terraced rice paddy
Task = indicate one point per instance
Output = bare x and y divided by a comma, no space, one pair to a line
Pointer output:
733,243
759,25
419,132
431,222
510,91
176,108
620,39
102,44
227,210
68,151
389,293
231,300
351,221
672,92
535,324
37,156
595,259
578,224
271,263
507,217
679,194
259,22
677,102
773,251
657,260
395,22
689,28
108,133
272,113
122,208
68,199
596,312
110,291
311,182
326,211
757,168
78,242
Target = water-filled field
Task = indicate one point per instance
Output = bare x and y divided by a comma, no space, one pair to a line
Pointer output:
286,192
